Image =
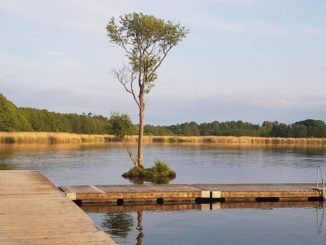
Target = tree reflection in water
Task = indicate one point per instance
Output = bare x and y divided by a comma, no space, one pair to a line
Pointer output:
4,165
139,227
320,213
118,224
7,166
156,180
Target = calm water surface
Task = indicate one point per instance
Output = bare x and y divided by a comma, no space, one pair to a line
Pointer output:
72,165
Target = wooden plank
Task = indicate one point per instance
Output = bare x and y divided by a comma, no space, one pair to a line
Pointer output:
191,188
34,211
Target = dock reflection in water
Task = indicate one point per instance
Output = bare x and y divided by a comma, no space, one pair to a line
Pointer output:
203,207
120,221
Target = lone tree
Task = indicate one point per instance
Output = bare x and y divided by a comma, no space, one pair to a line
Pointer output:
146,41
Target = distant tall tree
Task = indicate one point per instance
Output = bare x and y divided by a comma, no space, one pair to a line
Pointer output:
121,124
146,41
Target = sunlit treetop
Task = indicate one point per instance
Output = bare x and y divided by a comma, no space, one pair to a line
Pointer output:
146,40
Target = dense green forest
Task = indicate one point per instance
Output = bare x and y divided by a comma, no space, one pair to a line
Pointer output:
13,118
306,128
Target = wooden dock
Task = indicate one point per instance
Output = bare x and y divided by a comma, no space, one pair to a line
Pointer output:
196,193
33,211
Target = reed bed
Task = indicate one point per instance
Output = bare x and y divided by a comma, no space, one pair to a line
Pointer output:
233,140
69,138
49,138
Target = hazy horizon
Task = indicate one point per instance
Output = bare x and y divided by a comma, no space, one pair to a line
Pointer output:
173,123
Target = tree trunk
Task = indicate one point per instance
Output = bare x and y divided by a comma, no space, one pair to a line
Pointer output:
141,132
139,227
139,220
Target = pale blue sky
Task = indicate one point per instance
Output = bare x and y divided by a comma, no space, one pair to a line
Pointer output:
250,60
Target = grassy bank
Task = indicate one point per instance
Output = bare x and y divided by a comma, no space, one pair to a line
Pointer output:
68,138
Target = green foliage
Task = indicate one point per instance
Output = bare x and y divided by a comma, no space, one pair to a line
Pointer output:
30,119
161,168
121,125
312,128
298,131
45,121
146,41
10,117
280,130
190,129
134,171
266,128
160,173
306,128
157,130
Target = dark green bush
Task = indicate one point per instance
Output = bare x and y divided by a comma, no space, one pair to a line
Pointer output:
160,173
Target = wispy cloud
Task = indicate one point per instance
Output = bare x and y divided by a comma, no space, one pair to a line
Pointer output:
54,53
314,31
246,27
217,23
262,100
241,106
80,15
235,2
280,101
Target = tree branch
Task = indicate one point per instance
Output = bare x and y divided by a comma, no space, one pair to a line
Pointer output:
132,158
133,93
165,53
121,76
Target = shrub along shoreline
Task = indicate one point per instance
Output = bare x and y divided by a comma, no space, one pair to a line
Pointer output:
71,138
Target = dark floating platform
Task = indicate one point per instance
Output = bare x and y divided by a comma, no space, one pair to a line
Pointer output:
192,193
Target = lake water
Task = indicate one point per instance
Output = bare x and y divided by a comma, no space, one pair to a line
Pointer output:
73,165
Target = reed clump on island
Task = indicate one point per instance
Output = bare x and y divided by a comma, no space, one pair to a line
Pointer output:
159,171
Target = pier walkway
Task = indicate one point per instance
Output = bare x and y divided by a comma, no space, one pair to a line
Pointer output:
33,211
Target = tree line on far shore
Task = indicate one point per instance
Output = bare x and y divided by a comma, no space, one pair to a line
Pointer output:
13,118
301,129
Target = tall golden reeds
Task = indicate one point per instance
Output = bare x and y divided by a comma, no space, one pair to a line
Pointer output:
69,138
49,138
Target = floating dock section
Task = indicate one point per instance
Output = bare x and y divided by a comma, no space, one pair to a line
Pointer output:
196,193
33,211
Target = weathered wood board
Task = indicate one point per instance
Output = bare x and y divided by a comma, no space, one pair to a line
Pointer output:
34,211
